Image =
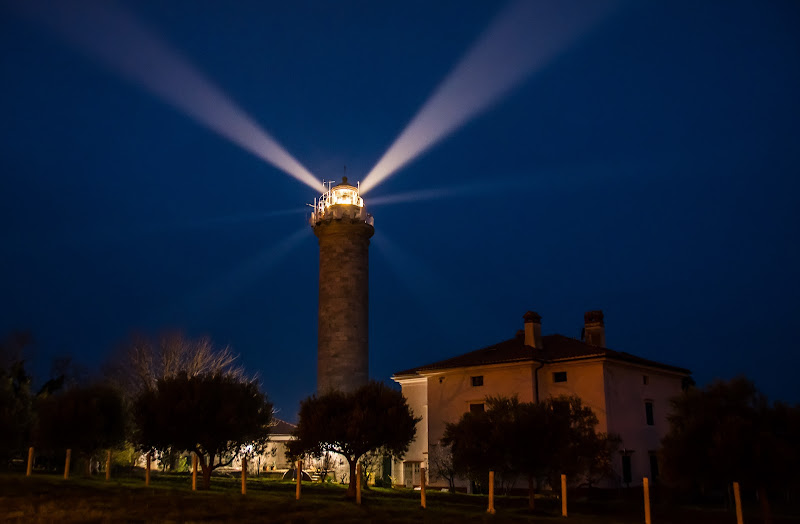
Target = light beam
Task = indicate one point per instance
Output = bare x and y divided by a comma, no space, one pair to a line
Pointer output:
109,232
466,190
431,291
219,292
235,219
521,40
114,37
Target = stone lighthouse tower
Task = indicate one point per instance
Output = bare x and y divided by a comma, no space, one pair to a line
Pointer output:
343,227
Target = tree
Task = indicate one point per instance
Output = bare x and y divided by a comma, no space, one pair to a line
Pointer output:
142,361
729,432
536,440
86,419
475,446
15,410
575,447
440,462
371,418
533,443
15,396
504,439
215,416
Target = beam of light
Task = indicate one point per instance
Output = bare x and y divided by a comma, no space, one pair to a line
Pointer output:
465,190
231,220
427,288
109,233
521,40
567,177
117,39
224,289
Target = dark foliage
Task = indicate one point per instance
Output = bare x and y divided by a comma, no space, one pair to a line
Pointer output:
371,418
729,432
85,419
16,411
215,416
537,441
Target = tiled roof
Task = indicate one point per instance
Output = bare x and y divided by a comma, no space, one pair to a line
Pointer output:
554,348
281,427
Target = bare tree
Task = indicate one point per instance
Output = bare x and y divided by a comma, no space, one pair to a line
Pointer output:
370,462
325,464
142,361
440,462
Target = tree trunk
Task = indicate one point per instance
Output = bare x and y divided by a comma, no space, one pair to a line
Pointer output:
766,511
531,493
351,488
206,469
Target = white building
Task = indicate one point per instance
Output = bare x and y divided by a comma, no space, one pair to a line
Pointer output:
628,394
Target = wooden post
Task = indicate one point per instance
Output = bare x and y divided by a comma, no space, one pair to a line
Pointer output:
563,495
490,509
194,471
738,498
147,471
358,483
646,486
30,462
66,464
244,476
299,478
422,487
108,465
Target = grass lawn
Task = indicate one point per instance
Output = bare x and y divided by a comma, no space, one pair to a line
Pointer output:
48,498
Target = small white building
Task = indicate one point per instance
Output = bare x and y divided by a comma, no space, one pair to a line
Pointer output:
628,394
273,459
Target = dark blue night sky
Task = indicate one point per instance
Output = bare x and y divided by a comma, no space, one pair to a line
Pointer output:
649,169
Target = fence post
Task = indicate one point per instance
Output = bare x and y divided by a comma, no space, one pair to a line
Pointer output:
108,465
147,471
66,464
358,483
738,498
490,509
563,495
244,476
30,462
299,478
194,471
646,486
422,500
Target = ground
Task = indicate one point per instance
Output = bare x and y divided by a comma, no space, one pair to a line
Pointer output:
48,498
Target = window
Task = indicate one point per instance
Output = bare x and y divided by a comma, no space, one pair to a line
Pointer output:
653,466
560,376
627,476
477,381
645,380
476,408
648,412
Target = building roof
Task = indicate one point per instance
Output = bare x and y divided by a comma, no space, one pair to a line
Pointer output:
281,427
554,348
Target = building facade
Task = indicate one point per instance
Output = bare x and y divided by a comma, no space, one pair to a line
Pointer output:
628,394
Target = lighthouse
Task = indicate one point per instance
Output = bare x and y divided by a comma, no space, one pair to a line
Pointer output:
343,227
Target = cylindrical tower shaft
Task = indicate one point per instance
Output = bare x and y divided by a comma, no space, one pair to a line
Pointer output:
343,230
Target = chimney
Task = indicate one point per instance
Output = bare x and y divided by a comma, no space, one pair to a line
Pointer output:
594,329
533,329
